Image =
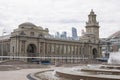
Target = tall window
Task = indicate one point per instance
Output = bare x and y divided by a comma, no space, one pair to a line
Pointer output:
52,48
23,46
57,49
72,49
32,34
13,49
60,49
68,49
8,47
64,49
48,47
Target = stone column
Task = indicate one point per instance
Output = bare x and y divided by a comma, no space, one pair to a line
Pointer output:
39,49
44,48
55,49
66,54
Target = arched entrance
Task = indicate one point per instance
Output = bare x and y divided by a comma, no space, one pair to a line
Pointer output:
94,53
31,52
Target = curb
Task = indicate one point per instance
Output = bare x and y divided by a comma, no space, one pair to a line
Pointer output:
32,77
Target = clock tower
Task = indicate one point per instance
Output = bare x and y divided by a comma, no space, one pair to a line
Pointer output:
92,26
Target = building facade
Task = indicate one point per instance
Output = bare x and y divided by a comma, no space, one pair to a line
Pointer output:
111,44
33,42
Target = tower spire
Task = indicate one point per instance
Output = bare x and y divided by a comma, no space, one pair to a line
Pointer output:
92,11
92,19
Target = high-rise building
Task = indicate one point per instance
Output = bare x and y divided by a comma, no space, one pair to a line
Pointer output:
57,35
64,34
74,33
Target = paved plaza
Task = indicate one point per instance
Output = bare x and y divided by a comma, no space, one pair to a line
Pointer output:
17,74
18,70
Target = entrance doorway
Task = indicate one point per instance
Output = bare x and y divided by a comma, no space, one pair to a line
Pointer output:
94,53
31,52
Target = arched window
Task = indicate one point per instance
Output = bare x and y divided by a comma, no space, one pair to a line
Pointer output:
40,35
22,33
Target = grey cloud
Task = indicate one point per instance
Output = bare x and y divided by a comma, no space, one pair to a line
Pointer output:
59,12
64,21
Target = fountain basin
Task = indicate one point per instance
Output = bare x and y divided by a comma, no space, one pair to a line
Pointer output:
86,72
91,72
102,71
86,76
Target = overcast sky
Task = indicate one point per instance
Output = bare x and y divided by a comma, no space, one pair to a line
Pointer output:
60,15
